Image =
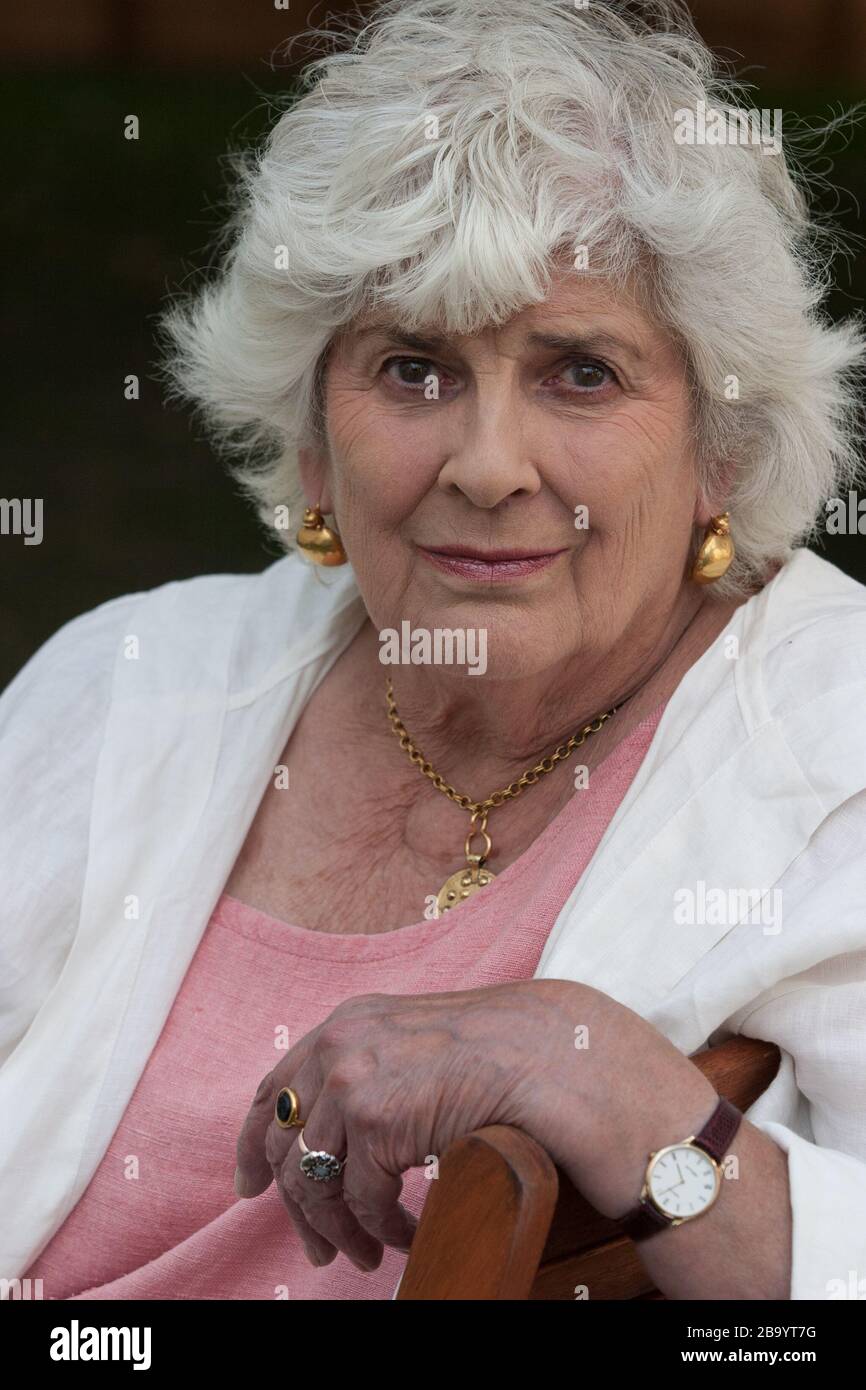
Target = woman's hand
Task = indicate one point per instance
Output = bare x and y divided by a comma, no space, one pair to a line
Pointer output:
391,1079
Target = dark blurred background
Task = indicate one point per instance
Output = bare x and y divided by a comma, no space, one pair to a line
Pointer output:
99,230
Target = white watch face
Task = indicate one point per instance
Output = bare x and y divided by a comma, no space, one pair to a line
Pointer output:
683,1181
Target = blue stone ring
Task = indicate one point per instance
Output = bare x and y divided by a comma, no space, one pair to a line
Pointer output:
287,1111
318,1164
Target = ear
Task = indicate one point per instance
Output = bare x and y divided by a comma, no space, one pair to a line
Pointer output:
710,506
311,466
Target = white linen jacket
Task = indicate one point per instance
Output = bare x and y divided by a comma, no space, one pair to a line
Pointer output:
135,747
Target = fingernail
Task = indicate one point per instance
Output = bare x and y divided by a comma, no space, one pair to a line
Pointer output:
241,1188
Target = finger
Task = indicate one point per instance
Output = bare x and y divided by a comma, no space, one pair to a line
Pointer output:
319,1251
278,1139
322,1201
328,1217
254,1173
372,1193
281,1145
279,1142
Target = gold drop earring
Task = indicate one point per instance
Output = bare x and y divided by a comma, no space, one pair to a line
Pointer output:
716,553
320,542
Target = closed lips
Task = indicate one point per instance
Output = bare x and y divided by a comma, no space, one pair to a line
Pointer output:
491,565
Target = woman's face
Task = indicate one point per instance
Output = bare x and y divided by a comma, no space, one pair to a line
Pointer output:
575,411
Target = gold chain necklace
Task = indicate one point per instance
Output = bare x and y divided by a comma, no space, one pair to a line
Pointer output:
468,880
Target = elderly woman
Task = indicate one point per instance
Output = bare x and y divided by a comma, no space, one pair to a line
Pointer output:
537,769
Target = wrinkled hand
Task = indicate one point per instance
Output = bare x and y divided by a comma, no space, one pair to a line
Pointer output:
388,1080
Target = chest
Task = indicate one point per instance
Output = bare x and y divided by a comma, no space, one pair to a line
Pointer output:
350,837
336,857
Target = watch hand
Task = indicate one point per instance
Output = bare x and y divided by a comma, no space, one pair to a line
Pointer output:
670,1189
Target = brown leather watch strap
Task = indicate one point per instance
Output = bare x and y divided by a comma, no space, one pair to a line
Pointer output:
645,1219
719,1130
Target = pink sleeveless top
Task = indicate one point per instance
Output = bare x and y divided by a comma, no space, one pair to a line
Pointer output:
160,1219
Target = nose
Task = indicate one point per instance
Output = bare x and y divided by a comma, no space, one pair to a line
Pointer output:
488,461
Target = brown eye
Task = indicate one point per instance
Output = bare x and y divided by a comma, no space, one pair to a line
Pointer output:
412,371
590,376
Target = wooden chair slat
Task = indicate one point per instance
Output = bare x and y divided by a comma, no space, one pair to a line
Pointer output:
613,1270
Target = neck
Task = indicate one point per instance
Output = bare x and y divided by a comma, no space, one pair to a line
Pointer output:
479,733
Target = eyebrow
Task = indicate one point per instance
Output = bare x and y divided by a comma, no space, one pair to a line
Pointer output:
585,342
556,342
432,342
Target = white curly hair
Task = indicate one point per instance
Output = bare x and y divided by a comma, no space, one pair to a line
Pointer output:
442,157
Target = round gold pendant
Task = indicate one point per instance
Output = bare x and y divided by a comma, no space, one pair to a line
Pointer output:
460,886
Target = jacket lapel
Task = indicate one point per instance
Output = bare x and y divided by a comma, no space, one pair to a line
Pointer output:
196,723
720,804
212,755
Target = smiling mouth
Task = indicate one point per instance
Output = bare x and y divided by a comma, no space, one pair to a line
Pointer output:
488,565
